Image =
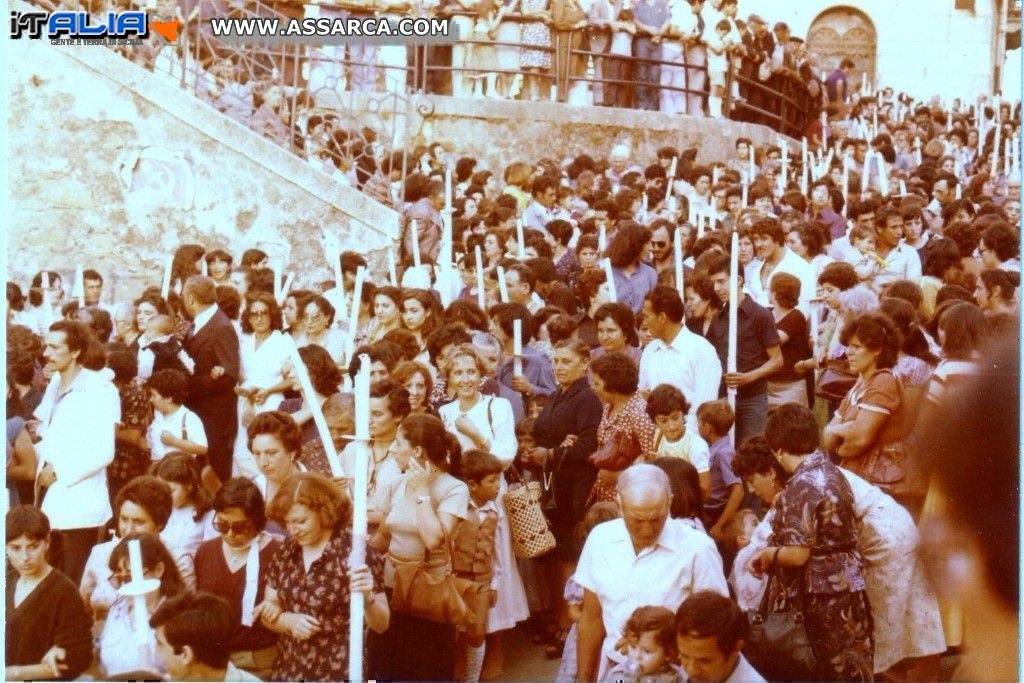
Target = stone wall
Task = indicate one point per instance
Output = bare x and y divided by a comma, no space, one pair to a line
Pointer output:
112,166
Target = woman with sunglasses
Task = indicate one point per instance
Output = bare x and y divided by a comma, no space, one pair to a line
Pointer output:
265,351
223,566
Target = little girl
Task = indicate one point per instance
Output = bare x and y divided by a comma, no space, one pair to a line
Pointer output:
484,54
191,520
649,642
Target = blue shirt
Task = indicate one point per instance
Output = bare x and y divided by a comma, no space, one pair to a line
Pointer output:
633,289
536,368
722,477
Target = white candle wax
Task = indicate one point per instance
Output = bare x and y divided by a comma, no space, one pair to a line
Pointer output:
481,292
204,269
678,248
520,239
502,285
609,275
602,238
448,185
360,483
672,170
517,347
415,243
165,287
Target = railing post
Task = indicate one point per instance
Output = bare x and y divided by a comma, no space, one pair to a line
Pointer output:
727,99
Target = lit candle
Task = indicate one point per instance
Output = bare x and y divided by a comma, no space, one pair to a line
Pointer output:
520,239
165,287
678,247
415,243
312,404
448,185
392,268
481,293
360,483
734,269
353,316
517,347
80,282
610,277
502,285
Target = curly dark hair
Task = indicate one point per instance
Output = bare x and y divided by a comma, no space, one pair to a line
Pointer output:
876,332
266,298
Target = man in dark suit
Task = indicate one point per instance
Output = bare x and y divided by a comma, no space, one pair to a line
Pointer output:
212,343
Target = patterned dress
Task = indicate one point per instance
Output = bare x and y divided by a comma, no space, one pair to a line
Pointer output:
130,461
816,510
323,593
632,419
535,33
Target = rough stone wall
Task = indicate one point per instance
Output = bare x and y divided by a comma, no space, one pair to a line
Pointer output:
113,167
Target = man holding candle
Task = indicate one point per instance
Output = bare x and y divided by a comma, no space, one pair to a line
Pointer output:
538,378
426,211
758,350
770,241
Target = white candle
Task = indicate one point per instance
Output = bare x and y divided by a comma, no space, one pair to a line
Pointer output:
673,206
602,238
517,347
643,204
693,211
554,93
716,174
610,277
481,292
520,239
864,83
313,405
502,285
753,168
824,130
903,187
846,186
958,192
139,599
734,269
204,268
866,171
883,176
803,150
995,148
1016,153
672,170
678,247
80,283
700,225
415,243
448,185
339,283
392,268
275,265
576,234
47,301
917,151
283,294
353,317
360,483
165,287
1006,158
745,189
785,164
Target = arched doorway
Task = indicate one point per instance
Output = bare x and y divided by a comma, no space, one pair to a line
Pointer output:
841,32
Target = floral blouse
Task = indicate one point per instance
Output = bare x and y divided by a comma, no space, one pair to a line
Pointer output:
136,413
816,510
633,418
322,593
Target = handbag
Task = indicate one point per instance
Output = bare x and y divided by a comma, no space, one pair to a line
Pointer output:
531,535
836,381
419,593
617,453
777,644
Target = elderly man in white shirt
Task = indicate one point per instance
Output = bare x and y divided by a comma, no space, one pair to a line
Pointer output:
645,558
676,355
78,415
774,257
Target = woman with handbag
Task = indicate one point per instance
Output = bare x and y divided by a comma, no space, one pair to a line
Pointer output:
310,581
626,433
486,422
566,436
867,431
817,582
423,509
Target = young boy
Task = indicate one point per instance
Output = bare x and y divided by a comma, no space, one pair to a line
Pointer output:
714,420
174,427
668,407
868,263
473,555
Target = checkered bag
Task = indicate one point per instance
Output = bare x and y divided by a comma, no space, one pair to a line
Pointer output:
531,536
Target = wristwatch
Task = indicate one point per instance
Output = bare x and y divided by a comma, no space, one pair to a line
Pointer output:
422,499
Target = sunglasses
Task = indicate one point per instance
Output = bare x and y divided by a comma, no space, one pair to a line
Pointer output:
259,314
237,528
658,243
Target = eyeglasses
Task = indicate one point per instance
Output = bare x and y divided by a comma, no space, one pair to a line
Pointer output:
259,313
237,528
658,243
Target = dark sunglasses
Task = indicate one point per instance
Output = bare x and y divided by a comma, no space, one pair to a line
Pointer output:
658,243
238,528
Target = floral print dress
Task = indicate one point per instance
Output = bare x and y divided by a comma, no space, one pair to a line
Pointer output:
631,419
130,461
816,510
323,593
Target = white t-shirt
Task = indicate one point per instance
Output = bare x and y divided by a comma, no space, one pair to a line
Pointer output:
182,424
690,447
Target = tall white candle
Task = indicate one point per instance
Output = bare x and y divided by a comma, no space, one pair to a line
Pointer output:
602,238
744,198
610,277
517,347
846,187
824,129
958,192
415,242
141,613
448,185
80,283
520,239
275,266
678,248
753,167
502,285
734,295
360,483
353,316
392,267
785,164
300,373
643,208
283,294
903,187
204,268
481,292
995,147
339,282
672,169
554,93
883,176
165,287
866,171
692,217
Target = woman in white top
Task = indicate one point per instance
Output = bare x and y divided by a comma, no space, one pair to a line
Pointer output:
119,651
487,423
318,316
191,520
265,352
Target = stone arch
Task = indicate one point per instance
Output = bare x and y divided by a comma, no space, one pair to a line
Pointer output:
840,32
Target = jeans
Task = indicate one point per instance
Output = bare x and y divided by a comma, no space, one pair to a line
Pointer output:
648,76
750,416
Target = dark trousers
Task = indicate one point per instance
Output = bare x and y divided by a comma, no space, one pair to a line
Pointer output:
751,412
219,455
648,75
70,548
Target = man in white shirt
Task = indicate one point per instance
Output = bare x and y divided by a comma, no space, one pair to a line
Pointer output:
770,243
538,213
642,559
521,284
77,414
677,356
711,631
902,262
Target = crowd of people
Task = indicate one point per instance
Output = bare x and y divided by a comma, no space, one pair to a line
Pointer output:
685,484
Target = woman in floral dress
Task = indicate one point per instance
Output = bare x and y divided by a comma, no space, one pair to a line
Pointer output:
536,31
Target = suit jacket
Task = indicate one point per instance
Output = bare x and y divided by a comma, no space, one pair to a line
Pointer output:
213,400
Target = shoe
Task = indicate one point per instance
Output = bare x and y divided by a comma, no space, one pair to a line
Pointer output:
555,648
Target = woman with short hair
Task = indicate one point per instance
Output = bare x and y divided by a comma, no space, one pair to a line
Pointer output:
318,317
787,385
616,331
275,440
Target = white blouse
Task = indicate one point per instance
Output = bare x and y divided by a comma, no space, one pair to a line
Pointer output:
492,417
264,366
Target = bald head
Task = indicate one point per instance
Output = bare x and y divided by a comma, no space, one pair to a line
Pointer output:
644,496
643,482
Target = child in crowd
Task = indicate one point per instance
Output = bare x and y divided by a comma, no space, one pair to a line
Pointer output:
159,349
867,263
649,643
668,407
737,533
484,54
714,420
718,58
191,520
473,555
598,513
174,427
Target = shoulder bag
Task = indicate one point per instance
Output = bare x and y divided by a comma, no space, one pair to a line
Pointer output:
419,593
531,536
618,452
836,381
778,645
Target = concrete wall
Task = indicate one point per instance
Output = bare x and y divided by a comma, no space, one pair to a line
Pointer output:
925,47
113,167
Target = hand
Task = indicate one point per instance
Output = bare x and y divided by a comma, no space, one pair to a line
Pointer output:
301,626
46,475
53,660
493,600
570,441
217,372
244,392
166,438
763,561
361,581
716,533
259,396
734,380
418,477
33,428
538,456
522,385
268,610
464,425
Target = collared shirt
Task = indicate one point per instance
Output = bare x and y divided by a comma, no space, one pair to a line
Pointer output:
633,289
536,368
680,562
755,334
902,263
537,216
182,424
689,364
792,264
78,440
199,322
